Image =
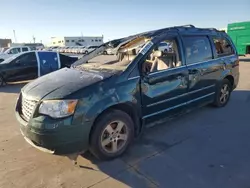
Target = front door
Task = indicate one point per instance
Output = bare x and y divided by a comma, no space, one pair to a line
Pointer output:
164,84
23,67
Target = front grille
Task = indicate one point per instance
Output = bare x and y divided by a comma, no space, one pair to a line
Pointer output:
27,107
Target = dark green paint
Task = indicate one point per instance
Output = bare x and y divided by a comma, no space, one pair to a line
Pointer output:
147,98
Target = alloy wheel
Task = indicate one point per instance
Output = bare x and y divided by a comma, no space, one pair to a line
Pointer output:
224,93
114,137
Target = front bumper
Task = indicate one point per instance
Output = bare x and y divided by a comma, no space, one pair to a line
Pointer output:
56,136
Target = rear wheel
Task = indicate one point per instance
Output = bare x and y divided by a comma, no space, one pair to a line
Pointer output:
112,134
223,93
105,53
86,52
2,82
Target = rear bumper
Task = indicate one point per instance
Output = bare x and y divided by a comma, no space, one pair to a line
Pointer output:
236,80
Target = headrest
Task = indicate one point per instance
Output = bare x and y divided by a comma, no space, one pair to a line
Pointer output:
157,53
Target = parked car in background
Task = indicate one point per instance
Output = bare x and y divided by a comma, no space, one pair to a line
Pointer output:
30,65
109,51
2,50
72,50
55,49
89,49
12,51
62,49
79,49
101,104
75,49
52,48
68,50
165,47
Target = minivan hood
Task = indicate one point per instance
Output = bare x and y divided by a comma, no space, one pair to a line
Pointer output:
62,83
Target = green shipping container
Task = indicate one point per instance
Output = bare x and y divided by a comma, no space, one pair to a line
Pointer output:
240,34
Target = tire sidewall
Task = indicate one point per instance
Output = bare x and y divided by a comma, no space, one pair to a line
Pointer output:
100,125
217,100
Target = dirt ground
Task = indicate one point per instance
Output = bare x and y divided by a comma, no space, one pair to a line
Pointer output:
207,148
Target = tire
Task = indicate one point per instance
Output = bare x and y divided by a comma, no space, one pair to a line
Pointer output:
104,135
219,101
86,52
165,51
105,53
2,82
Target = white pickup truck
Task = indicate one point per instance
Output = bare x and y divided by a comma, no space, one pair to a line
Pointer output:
13,50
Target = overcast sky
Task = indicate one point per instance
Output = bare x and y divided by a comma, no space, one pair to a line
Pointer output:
112,18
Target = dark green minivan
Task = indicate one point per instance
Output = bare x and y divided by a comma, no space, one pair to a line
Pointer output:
103,102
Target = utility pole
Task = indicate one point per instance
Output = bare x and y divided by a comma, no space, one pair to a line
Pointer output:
34,39
14,32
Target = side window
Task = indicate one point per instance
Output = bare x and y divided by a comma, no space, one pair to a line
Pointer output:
29,58
32,58
164,55
223,46
197,49
22,58
25,49
15,50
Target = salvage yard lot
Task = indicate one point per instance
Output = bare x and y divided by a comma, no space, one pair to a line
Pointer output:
207,148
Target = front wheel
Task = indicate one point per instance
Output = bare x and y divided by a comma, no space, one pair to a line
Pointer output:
112,134
223,93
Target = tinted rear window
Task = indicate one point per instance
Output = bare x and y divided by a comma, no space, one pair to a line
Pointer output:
223,46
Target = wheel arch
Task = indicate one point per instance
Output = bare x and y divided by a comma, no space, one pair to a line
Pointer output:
129,109
230,78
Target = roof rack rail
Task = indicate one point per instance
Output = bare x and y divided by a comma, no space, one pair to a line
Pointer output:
213,29
188,25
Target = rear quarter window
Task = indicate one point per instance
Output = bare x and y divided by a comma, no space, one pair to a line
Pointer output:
223,46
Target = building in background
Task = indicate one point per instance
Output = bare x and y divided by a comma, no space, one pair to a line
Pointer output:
4,43
77,41
33,46
240,34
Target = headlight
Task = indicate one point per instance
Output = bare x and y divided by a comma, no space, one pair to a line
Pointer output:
58,108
